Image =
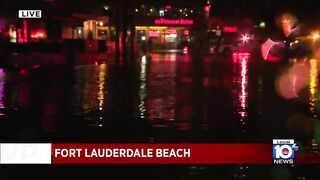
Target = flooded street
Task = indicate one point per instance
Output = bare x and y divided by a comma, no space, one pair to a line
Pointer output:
175,89
162,98
165,98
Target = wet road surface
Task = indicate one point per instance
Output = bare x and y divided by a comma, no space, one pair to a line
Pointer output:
166,98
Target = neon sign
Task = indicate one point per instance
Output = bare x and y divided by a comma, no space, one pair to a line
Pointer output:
186,32
207,8
153,33
173,21
37,35
230,29
170,31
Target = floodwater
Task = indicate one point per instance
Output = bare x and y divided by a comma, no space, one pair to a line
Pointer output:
167,98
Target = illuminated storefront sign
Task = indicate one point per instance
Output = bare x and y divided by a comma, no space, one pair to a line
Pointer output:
173,21
154,33
186,32
230,29
37,35
13,34
170,31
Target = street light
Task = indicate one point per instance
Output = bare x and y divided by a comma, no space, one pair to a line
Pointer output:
106,7
245,38
315,36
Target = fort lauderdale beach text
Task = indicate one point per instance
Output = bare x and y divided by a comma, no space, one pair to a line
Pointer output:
127,152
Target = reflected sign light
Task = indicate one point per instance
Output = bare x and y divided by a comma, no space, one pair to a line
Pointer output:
237,56
230,29
163,21
153,33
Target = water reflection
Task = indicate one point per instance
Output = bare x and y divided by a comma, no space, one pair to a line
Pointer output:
243,92
313,86
2,83
313,90
89,93
101,85
187,98
101,82
166,92
162,87
143,87
182,98
241,83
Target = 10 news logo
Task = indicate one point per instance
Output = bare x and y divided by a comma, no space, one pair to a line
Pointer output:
283,151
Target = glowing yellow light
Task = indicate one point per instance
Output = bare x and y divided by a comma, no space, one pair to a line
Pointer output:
313,86
313,77
101,83
151,27
315,36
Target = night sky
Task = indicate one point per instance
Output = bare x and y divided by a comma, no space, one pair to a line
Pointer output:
305,10
228,7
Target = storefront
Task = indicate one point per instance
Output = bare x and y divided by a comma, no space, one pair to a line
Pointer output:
83,26
164,34
96,29
24,31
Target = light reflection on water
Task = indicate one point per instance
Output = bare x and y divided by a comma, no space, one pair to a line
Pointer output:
143,87
243,93
185,97
89,93
313,86
101,85
169,89
2,83
314,100
161,83
240,71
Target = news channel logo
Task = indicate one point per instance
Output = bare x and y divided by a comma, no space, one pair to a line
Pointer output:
283,151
